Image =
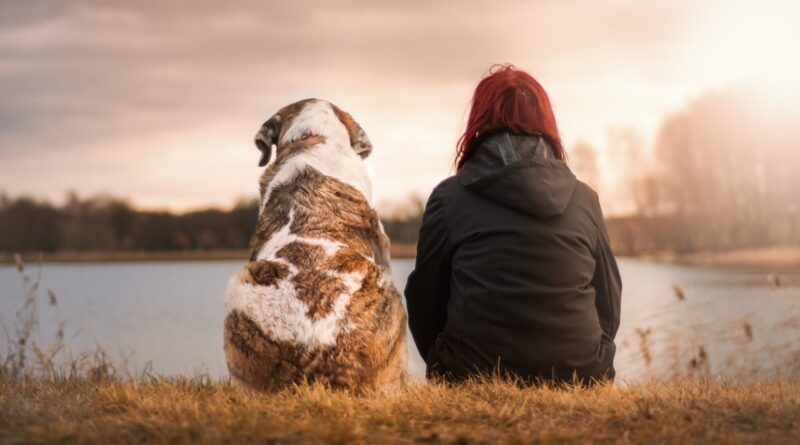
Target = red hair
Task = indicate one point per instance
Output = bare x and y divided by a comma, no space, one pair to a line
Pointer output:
508,99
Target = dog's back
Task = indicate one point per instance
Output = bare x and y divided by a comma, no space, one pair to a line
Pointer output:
316,301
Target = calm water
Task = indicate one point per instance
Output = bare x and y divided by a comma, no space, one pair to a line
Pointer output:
731,322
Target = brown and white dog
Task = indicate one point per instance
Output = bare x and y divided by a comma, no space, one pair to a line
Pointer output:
316,301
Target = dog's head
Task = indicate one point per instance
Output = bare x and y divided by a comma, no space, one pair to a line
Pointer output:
308,118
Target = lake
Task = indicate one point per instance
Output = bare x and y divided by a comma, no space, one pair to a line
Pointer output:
730,322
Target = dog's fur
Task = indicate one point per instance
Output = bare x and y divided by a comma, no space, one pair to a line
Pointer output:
316,301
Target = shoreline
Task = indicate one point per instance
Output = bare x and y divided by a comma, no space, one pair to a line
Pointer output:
400,251
776,257
783,257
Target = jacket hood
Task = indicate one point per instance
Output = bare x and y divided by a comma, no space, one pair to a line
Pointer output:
520,172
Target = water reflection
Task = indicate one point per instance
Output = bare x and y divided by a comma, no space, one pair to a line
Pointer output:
730,321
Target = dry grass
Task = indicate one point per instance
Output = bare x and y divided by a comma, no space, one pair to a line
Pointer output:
199,411
47,395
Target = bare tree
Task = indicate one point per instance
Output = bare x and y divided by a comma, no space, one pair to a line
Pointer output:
583,161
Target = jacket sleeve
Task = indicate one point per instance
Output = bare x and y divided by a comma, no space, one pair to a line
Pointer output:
607,283
427,289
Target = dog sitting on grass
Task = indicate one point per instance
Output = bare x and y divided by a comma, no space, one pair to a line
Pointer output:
316,300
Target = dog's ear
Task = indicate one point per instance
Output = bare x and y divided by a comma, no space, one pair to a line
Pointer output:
266,137
358,138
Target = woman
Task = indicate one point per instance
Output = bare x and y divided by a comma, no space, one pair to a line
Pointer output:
514,271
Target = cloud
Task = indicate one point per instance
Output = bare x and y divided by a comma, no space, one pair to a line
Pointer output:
87,78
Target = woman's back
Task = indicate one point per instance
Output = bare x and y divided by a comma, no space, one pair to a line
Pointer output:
514,271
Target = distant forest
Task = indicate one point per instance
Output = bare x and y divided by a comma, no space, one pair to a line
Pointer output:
109,224
724,173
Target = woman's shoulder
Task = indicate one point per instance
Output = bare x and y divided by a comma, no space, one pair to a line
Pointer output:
443,196
445,190
585,192
447,185
586,198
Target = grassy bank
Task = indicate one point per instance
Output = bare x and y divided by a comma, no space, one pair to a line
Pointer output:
787,257
778,258
199,411
49,395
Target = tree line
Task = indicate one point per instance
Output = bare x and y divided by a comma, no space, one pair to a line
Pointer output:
112,224
723,173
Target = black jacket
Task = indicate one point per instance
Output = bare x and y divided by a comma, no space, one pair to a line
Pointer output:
514,270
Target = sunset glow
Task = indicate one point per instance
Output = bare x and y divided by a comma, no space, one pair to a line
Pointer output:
159,102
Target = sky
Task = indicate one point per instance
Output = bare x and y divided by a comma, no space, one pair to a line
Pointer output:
158,101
